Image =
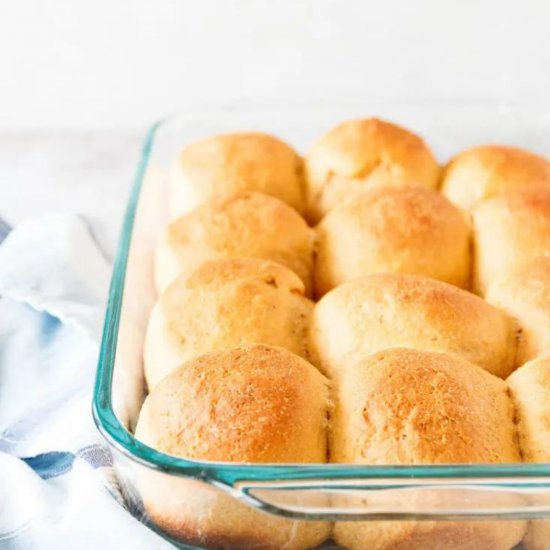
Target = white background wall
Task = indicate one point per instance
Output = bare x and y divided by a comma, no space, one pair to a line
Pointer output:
124,63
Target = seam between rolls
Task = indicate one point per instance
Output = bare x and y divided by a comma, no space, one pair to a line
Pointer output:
515,420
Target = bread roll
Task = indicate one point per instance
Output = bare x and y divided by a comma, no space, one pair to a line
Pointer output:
224,304
395,230
391,310
222,165
530,390
247,224
510,231
363,153
538,532
491,170
255,404
402,406
525,295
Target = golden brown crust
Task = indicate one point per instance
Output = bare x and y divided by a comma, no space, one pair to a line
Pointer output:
363,153
403,406
249,404
525,295
247,224
254,404
224,304
388,310
394,230
530,390
510,231
491,170
222,165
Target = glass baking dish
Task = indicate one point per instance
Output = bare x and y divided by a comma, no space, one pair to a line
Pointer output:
327,492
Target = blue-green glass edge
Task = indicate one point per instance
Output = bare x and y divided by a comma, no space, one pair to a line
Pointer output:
230,473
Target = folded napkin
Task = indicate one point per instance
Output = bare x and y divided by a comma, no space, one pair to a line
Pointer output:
58,485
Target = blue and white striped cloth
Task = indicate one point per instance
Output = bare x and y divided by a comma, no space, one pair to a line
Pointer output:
57,484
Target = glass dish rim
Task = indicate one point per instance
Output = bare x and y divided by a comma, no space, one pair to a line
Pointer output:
230,473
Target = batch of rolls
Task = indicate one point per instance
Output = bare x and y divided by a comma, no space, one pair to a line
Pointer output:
363,305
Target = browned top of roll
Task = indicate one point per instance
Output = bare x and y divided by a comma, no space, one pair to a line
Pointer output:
491,170
224,164
251,404
224,304
400,230
402,406
365,152
389,310
247,224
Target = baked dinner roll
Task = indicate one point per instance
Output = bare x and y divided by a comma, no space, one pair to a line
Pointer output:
538,531
363,153
510,231
490,170
392,310
395,230
255,404
247,224
525,295
407,407
530,390
222,165
224,304
404,406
